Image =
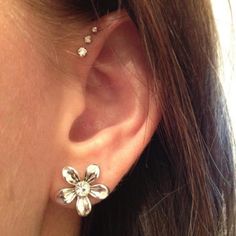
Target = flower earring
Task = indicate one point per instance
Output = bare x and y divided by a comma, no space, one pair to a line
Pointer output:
82,51
82,188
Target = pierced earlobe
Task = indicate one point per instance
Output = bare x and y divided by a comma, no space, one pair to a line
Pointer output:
82,51
82,189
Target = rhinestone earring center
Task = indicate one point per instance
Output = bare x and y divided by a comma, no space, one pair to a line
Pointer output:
82,189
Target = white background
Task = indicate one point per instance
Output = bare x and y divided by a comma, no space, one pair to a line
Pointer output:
225,14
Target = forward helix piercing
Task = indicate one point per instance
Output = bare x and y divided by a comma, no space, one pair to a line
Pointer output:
88,39
82,189
82,51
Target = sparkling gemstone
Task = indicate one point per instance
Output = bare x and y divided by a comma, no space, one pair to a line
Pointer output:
82,52
88,39
95,29
82,189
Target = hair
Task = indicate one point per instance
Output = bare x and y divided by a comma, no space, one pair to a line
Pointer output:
184,181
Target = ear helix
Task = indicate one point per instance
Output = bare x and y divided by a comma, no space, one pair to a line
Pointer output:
88,39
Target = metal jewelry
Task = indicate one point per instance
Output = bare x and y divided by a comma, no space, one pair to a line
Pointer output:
82,51
88,39
94,29
82,189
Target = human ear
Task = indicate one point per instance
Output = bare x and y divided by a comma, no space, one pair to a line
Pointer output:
118,115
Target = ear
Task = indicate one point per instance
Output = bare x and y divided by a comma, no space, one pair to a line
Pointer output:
119,114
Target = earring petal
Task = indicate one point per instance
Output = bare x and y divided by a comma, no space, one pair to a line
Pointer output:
70,175
83,206
92,173
66,195
99,191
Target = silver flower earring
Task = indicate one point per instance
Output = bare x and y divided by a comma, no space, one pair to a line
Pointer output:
82,51
82,188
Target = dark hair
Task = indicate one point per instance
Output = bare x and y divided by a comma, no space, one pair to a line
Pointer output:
184,182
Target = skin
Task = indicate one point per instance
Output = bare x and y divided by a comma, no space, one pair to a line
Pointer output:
42,94
26,87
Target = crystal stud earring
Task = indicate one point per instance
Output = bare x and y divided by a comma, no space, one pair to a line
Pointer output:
94,29
82,189
82,51
88,39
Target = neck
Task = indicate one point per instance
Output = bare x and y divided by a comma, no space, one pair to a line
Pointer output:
21,217
60,221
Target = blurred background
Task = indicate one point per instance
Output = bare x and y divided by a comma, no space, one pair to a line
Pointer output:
225,14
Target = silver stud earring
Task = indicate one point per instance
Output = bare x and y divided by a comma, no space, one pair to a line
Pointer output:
82,189
95,29
82,51
88,39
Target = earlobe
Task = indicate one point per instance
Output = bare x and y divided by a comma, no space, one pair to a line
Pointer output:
120,115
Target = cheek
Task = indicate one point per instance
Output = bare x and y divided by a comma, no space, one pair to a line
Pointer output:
29,106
